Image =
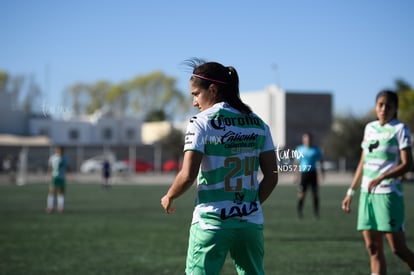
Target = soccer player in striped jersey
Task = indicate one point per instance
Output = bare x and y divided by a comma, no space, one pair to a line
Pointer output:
225,145
386,157
58,164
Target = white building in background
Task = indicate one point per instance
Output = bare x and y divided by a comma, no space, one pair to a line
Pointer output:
94,130
269,104
155,131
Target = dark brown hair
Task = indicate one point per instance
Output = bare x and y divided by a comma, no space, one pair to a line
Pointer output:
225,78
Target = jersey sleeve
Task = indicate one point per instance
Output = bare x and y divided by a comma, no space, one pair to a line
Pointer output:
268,143
404,138
365,134
194,134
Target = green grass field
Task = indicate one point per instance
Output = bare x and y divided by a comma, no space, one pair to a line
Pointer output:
125,231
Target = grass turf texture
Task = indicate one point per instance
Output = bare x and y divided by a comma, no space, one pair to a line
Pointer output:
125,231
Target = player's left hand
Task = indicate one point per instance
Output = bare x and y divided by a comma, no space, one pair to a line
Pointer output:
373,184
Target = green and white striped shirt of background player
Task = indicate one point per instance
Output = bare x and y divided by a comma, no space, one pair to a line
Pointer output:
381,146
227,184
59,164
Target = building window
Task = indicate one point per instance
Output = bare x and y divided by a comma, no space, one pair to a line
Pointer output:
107,133
73,134
44,132
130,134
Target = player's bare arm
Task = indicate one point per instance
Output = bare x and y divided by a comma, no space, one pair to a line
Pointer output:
268,165
184,179
346,203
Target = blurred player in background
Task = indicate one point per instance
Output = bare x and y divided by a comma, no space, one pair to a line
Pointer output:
58,165
106,173
386,156
306,165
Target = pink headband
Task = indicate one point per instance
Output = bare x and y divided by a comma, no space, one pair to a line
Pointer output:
209,79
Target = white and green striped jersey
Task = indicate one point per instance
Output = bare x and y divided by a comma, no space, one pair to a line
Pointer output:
227,185
59,164
381,147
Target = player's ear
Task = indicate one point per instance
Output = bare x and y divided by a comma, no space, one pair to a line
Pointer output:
213,89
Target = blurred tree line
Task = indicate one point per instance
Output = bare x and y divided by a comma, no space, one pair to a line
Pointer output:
24,91
151,97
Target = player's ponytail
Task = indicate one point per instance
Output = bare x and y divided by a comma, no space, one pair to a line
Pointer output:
233,93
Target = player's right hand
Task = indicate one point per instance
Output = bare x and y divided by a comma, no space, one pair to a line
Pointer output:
346,204
167,204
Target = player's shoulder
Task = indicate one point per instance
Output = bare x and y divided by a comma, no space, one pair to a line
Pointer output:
198,119
53,157
206,115
393,123
398,124
372,124
300,147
